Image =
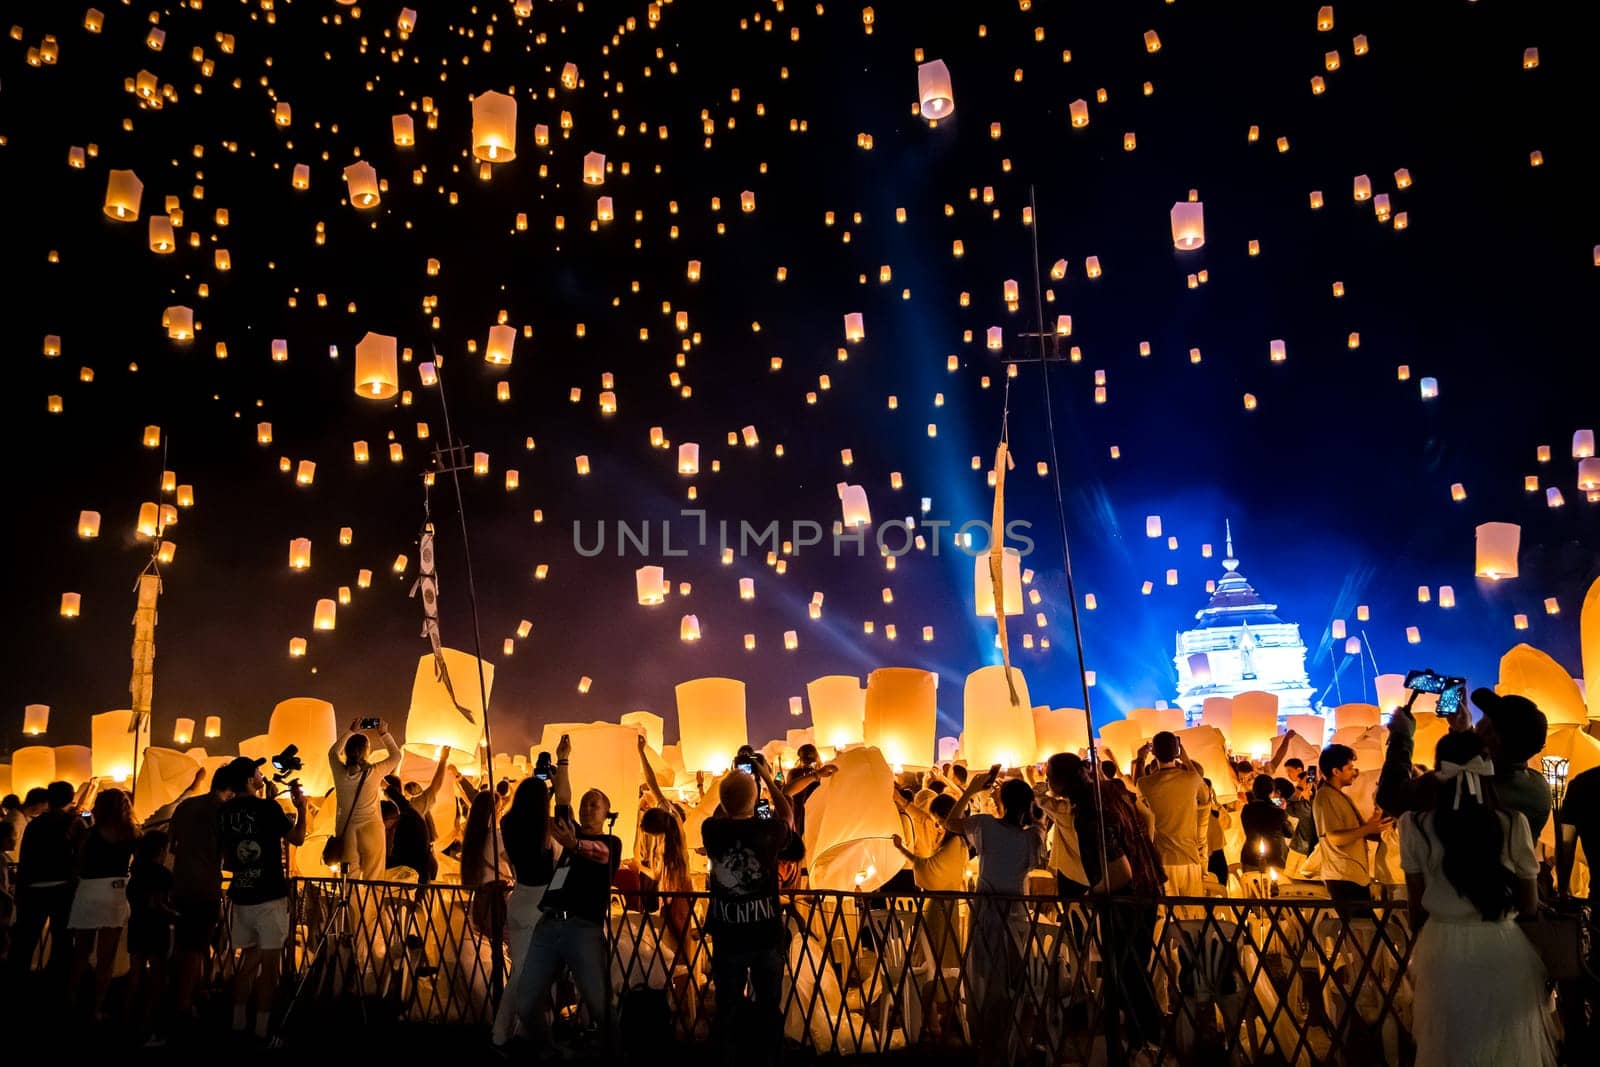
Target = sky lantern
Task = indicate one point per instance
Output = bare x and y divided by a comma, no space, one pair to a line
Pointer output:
182,731
88,525
213,727
161,238
650,585
711,722
900,714
282,113
404,131
850,822
689,628
326,614
838,709
433,718
1526,671
1011,578
1123,738
494,127
853,503
123,192
1188,225
502,341
1583,444
32,767
1079,112
35,719
113,744
688,458
594,168
1497,544
1058,730
936,96
1255,723
361,180
569,75
179,321
854,327
377,366
995,729
300,553
71,605
301,176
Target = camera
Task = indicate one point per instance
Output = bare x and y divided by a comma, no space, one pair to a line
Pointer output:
371,722
286,763
542,769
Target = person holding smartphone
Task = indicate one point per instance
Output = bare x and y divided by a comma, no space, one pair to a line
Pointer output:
357,786
745,920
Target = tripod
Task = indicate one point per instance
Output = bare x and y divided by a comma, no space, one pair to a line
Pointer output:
332,962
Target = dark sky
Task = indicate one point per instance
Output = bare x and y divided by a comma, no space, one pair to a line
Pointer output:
1337,484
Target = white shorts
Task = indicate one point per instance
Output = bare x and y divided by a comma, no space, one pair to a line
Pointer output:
99,904
264,926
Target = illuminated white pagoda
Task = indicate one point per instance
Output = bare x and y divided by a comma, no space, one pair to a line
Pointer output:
1239,645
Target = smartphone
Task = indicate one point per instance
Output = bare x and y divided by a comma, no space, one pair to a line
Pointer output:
1451,699
763,808
746,765
1425,681
370,723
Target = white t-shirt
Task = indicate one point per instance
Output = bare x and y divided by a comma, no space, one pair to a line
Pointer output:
1422,853
1006,854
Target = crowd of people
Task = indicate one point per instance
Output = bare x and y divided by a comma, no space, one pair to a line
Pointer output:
1455,842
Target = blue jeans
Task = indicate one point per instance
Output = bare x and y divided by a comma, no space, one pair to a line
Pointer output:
763,970
579,944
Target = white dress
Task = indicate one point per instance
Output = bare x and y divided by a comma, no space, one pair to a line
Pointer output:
1479,985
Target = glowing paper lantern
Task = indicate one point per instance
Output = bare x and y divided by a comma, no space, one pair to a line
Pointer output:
324,618
594,168
310,725
1582,444
182,731
711,722
1154,720
1059,730
123,192
1079,112
688,458
850,821
1011,582
936,96
377,366
164,774
900,714
403,130
1188,225
74,763
1218,712
650,585
853,502
494,127
114,746
995,729
1255,723
32,767
433,718
213,726
838,709
652,725
1123,737
689,630
1311,727
1207,746
854,327
300,553
361,181
605,756
1526,671
502,342
1497,550
1391,690
35,719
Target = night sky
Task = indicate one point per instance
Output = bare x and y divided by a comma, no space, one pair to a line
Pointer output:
1337,483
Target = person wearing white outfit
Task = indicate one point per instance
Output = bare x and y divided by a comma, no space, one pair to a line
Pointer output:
358,789
1470,872
526,830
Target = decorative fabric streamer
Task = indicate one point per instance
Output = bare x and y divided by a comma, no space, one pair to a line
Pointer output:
428,584
1468,775
997,563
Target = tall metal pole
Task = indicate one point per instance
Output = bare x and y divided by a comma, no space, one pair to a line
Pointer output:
1109,948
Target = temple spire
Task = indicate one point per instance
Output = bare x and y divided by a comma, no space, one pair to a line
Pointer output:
1229,562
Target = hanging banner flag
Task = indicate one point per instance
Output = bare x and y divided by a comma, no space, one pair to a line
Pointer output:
427,584
997,563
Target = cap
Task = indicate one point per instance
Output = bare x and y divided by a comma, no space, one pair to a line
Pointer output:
1518,723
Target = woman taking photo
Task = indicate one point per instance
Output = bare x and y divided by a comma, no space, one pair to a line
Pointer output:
358,788
526,837
483,849
100,908
1470,872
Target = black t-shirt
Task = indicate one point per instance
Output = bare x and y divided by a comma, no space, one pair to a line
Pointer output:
411,848
196,871
584,891
745,915
104,857
252,831
49,848
1580,809
1266,835
532,860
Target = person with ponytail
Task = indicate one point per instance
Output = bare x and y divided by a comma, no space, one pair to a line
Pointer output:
357,787
1470,871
